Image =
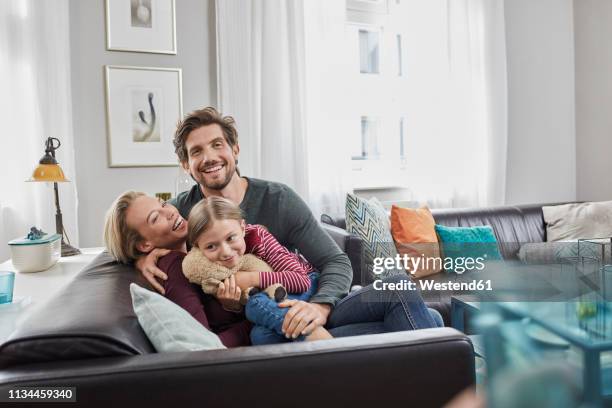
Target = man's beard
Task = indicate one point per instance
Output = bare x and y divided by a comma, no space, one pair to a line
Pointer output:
219,185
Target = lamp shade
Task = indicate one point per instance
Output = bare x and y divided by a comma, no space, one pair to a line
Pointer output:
49,173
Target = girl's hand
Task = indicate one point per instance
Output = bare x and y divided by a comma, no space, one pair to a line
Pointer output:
228,294
247,280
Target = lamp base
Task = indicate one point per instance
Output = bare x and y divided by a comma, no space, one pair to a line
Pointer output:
69,250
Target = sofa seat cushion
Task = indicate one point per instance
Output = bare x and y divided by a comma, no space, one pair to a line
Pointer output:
540,252
91,317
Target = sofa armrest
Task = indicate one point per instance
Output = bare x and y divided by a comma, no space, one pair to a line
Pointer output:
420,368
352,246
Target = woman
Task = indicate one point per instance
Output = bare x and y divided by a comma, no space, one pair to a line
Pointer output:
136,224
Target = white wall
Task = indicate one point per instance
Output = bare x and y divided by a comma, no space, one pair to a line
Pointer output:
593,31
97,184
541,127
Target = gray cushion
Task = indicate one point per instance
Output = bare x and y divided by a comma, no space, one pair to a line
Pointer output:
168,326
579,220
540,252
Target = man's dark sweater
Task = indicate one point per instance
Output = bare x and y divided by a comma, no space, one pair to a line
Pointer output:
289,219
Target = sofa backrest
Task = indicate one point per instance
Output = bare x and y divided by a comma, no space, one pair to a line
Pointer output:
91,317
512,225
508,223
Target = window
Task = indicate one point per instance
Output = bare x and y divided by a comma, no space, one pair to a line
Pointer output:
399,54
399,61
368,148
369,44
378,133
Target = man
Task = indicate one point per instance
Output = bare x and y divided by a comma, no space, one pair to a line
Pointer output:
206,144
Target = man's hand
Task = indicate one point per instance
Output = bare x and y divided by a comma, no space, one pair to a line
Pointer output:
303,317
228,294
147,265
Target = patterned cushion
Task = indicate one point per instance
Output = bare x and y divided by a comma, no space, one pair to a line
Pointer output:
369,221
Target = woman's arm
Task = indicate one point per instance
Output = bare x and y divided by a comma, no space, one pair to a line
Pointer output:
179,290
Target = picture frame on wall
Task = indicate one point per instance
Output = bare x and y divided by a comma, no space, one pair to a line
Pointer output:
141,26
143,106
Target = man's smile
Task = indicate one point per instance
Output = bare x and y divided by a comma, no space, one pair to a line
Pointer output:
213,169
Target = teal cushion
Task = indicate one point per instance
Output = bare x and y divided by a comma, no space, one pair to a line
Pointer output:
460,243
168,326
368,220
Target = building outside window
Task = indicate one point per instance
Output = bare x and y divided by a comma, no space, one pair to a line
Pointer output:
398,52
369,43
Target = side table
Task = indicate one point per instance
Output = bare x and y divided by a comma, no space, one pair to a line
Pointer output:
35,288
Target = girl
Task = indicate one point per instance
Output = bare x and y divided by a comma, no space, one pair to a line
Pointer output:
217,229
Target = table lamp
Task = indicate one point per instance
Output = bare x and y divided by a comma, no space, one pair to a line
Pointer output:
48,170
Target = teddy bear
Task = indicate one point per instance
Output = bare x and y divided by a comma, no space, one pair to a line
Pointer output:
200,270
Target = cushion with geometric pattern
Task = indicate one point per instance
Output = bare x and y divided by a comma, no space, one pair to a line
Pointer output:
368,220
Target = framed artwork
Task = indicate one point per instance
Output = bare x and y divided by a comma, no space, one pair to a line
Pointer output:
141,26
143,106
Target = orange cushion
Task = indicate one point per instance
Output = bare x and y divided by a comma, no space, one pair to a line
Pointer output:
414,234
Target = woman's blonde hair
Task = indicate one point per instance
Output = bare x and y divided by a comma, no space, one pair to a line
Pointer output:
120,239
210,209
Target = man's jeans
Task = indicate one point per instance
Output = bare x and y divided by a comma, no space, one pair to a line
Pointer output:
366,311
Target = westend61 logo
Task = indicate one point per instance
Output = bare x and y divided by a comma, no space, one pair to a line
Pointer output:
459,265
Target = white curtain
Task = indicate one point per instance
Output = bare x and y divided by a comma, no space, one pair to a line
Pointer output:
467,133
35,103
477,58
280,65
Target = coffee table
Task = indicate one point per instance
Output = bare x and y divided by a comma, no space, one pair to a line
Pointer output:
591,335
460,307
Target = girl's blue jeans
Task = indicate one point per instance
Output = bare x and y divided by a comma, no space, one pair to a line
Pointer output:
366,311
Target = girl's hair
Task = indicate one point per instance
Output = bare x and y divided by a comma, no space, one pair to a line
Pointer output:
119,238
204,213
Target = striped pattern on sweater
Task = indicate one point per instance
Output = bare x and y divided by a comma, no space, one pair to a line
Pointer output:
290,270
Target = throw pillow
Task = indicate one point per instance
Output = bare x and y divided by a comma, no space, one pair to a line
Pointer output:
460,244
415,236
168,326
369,221
540,252
578,220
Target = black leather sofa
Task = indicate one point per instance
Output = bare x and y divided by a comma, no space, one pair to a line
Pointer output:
89,338
512,225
